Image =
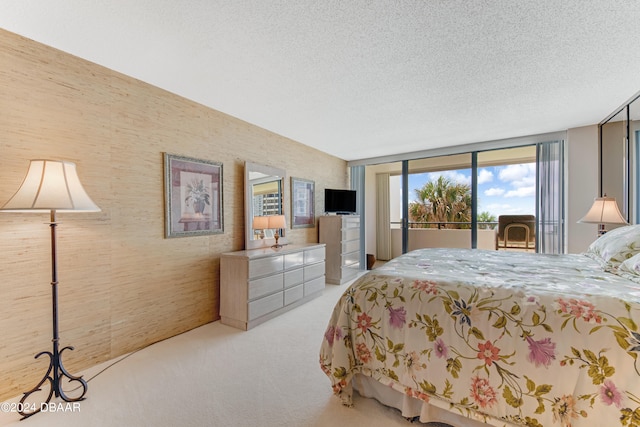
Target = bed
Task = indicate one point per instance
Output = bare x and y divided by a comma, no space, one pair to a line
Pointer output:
504,338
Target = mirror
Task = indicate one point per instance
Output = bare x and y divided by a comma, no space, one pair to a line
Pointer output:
614,158
264,196
620,158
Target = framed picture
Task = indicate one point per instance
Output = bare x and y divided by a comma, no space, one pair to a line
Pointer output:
193,196
302,203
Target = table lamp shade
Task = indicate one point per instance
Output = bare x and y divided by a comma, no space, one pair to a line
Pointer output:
276,221
260,222
51,185
604,211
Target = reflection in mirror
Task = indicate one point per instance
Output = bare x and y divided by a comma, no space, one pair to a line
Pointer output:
614,159
264,205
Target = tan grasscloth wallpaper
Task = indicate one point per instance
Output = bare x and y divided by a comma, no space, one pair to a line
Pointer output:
122,284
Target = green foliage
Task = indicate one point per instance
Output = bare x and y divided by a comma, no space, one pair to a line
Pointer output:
510,398
442,201
454,366
630,417
484,217
597,366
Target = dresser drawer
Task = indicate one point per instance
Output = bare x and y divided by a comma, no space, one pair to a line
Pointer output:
314,255
350,222
293,260
350,246
350,258
263,266
294,294
350,233
313,286
265,305
349,273
313,271
293,277
265,286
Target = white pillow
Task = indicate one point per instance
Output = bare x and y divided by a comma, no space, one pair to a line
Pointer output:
630,268
616,246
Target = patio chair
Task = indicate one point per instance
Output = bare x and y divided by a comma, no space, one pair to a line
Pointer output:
516,232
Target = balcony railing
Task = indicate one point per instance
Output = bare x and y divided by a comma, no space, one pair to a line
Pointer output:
448,225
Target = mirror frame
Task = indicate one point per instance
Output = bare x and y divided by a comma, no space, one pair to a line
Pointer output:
614,149
248,204
623,116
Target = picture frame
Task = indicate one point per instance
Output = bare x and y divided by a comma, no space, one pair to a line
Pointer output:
302,203
193,196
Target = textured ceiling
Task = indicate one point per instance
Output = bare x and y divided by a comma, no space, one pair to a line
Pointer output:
363,78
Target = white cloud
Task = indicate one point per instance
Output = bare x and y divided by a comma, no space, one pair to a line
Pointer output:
507,209
498,207
494,192
522,192
454,176
518,173
485,176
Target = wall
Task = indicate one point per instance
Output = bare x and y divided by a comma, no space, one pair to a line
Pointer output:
122,284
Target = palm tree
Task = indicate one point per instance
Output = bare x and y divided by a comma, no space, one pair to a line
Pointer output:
485,217
442,201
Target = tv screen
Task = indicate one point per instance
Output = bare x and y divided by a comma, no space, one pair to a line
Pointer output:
340,201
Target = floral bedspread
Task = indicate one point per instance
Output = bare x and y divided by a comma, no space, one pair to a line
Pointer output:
512,338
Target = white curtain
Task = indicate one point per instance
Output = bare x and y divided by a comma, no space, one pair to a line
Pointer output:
550,197
383,217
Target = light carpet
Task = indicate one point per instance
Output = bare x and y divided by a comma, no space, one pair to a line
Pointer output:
216,375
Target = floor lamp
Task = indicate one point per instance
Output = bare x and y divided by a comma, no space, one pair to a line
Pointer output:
52,186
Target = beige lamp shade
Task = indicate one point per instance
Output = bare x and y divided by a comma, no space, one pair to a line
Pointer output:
51,185
276,222
604,211
260,222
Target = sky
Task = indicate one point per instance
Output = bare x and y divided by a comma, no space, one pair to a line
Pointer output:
502,190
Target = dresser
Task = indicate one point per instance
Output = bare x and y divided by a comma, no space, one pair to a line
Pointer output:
259,284
341,234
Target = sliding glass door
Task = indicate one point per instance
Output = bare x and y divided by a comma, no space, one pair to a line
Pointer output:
506,199
439,202
461,201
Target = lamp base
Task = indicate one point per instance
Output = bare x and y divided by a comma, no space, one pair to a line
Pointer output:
56,372
55,375
601,229
276,236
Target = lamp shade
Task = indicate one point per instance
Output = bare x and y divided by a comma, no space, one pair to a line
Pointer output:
51,185
276,221
260,222
604,211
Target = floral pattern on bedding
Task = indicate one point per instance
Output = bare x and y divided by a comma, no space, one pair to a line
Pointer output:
512,338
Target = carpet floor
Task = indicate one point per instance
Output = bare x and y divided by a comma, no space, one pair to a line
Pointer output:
216,375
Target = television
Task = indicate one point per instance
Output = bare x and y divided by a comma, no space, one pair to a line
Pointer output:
341,202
